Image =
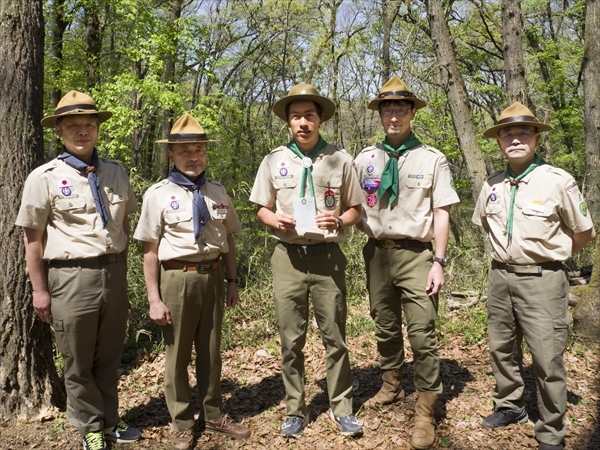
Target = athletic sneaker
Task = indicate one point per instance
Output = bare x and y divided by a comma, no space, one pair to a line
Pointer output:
94,441
503,417
293,426
349,425
122,433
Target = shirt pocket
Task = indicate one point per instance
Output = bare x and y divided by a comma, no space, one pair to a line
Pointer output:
179,220
418,183
218,211
328,192
117,205
71,205
536,224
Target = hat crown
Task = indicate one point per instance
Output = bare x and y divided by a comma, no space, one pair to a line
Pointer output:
303,89
187,125
394,84
76,98
515,110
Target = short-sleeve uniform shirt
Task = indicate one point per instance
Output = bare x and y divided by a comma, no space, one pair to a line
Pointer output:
548,209
425,182
335,185
58,198
167,215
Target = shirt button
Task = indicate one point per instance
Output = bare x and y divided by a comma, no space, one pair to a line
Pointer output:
70,204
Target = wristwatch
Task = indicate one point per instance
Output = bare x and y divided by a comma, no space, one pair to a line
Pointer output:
340,223
233,280
441,261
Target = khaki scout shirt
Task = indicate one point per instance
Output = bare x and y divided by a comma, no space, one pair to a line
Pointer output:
166,218
548,209
58,198
335,183
425,183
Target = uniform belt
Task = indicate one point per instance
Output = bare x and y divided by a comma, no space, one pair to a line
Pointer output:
528,269
314,249
389,244
97,261
200,267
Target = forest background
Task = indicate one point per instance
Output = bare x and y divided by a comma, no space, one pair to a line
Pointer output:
226,62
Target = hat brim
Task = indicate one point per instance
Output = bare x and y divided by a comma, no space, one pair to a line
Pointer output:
50,121
184,141
493,131
327,105
374,104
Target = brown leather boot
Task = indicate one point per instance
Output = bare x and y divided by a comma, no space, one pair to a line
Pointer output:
424,431
391,390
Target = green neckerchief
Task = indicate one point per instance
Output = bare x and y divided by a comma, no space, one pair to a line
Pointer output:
389,176
307,171
514,184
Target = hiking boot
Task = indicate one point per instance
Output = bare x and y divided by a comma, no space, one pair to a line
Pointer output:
293,426
544,446
504,416
94,441
423,435
225,426
183,440
391,391
349,425
122,433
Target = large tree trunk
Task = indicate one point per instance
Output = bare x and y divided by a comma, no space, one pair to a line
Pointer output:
458,99
28,379
388,17
586,315
591,89
512,49
93,41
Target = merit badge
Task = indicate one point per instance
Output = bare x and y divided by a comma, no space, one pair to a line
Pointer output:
371,199
66,191
283,171
329,198
493,197
583,208
370,184
306,162
370,169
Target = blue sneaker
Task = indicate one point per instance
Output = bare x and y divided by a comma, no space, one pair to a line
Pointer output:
503,417
94,441
349,425
122,433
293,426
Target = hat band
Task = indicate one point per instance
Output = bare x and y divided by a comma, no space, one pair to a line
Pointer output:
186,137
68,108
517,119
396,93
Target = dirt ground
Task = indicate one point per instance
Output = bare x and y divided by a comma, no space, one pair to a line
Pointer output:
253,393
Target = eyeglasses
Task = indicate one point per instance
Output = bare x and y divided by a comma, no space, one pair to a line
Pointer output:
387,112
521,135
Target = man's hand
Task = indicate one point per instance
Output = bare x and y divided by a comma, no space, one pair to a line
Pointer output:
285,222
233,295
41,305
326,221
160,313
435,279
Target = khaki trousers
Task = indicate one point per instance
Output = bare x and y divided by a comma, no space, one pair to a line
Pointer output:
295,277
396,281
89,313
534,307
196,302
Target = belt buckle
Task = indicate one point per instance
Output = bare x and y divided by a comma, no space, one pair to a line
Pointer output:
203,267
388,244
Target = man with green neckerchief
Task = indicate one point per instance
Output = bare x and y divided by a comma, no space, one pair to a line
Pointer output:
309,223
535,217
407,191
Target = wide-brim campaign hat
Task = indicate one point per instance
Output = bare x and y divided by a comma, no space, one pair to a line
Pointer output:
74,103
396,89
304,92
515,115
186,129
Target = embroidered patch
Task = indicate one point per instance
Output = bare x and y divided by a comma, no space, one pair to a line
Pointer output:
571,186
443,163
283,171
174,202
493,197
583,208
329,198
370,184
66,191
370,169
371,199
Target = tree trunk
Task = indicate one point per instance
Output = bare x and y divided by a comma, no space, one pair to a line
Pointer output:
591,89
512,49
586,315
93,41
458,99
388,18
28,379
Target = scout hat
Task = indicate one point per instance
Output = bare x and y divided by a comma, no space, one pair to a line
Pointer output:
75,103
304,92
186,129
395,89
516,114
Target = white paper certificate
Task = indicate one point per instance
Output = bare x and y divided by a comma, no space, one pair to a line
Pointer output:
304,212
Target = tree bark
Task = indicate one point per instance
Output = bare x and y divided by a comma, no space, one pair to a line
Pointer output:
93,41
458,99
591,89
512,49
28,379
388,18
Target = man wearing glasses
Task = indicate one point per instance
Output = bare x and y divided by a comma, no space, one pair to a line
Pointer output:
536,218
407,191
